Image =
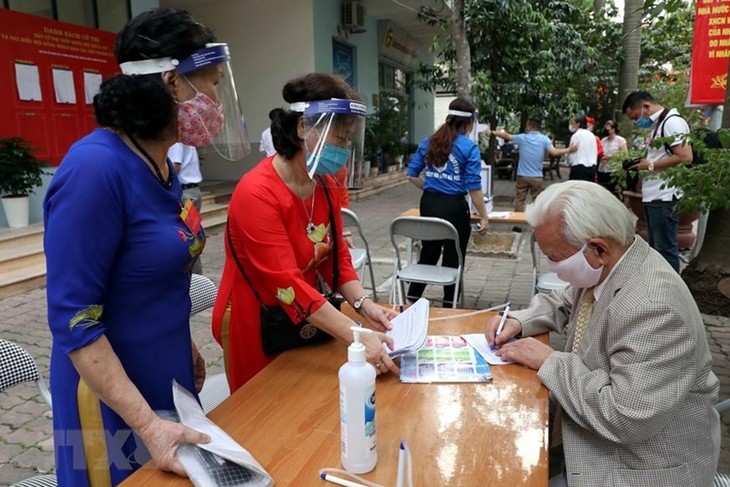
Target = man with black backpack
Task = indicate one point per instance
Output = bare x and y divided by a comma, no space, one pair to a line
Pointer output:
662,222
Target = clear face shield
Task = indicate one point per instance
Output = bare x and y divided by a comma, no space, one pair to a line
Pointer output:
334,136
212,125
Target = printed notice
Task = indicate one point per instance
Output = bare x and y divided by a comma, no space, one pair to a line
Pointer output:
92,84
63,85
28,82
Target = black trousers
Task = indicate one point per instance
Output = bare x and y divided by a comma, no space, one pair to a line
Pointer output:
454,209
582,172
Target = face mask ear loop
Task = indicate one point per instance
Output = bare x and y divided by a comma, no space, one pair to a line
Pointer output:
320,144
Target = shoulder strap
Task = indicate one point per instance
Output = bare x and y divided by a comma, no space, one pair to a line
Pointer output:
335,242
238,263
667,147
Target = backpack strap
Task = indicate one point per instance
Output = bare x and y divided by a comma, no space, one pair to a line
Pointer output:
667,147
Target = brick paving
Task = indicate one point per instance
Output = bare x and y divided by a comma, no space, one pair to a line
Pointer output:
25,422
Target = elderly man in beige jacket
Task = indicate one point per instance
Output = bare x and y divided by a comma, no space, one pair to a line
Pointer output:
634,388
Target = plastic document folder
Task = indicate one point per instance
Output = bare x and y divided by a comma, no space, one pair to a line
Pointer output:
444,359
410,329
222,462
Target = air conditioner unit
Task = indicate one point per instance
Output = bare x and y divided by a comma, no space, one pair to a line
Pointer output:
353,16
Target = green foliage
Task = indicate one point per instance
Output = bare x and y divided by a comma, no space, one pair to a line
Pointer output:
706,185
385,127
543,58
20,170
667,39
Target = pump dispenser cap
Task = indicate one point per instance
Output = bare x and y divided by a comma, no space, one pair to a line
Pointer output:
356,351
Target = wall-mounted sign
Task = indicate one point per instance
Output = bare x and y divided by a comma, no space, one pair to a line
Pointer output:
398,45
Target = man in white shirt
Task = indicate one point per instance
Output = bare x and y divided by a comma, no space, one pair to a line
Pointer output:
185,161
662,222
583,150
267,144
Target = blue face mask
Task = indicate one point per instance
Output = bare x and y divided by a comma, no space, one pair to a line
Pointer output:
332,159
643,122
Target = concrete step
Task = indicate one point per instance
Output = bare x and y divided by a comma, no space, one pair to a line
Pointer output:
372,186
214,211
17,238
23,263
21,280
22,257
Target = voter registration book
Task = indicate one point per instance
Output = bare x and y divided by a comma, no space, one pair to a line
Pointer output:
444,359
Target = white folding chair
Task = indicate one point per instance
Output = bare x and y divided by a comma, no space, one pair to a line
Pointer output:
17,366
426,229
360,256
546,282
202,296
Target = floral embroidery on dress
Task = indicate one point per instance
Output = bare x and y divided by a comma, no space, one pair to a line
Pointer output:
286,296
87,317
195,248
323,245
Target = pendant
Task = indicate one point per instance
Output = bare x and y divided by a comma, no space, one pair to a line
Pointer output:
310,228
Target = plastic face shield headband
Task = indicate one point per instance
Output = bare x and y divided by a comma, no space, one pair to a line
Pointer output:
334,139
232,141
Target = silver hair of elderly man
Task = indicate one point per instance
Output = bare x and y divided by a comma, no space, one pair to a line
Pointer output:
587,210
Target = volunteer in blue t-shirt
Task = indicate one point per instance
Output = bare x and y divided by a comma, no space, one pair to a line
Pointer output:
453,169
534,147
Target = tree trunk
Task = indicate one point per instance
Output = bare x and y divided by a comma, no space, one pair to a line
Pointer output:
463,51
598,6
631,45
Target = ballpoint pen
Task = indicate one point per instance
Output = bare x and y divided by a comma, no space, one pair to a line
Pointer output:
501,322
401,464
339,481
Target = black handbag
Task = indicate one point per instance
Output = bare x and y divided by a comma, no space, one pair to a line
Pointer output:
278,332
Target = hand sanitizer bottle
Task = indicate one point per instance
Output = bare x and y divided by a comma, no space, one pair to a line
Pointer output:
357,409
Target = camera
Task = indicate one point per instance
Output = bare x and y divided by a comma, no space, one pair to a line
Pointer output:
628,163
632,175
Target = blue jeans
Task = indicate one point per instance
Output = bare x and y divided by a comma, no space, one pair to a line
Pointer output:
662,225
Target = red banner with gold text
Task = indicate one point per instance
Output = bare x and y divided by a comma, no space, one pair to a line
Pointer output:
710,52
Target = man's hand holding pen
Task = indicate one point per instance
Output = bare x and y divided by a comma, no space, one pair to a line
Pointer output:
526,351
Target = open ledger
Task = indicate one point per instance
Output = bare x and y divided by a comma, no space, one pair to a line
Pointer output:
222,462
410,329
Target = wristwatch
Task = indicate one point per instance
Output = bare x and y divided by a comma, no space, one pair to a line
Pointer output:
357,304
651,166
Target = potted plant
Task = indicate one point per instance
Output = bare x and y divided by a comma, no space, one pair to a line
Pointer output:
384,131
20,173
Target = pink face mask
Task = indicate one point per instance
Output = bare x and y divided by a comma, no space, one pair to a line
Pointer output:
576,270
199,120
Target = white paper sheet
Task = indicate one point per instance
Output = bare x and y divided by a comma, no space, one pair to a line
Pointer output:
479,343
63,85
499,214
192,415
92,84
28,82
410,328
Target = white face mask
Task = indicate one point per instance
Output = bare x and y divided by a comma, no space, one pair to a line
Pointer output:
576,270
572,128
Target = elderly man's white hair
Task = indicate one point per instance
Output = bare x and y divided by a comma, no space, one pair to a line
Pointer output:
587,211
